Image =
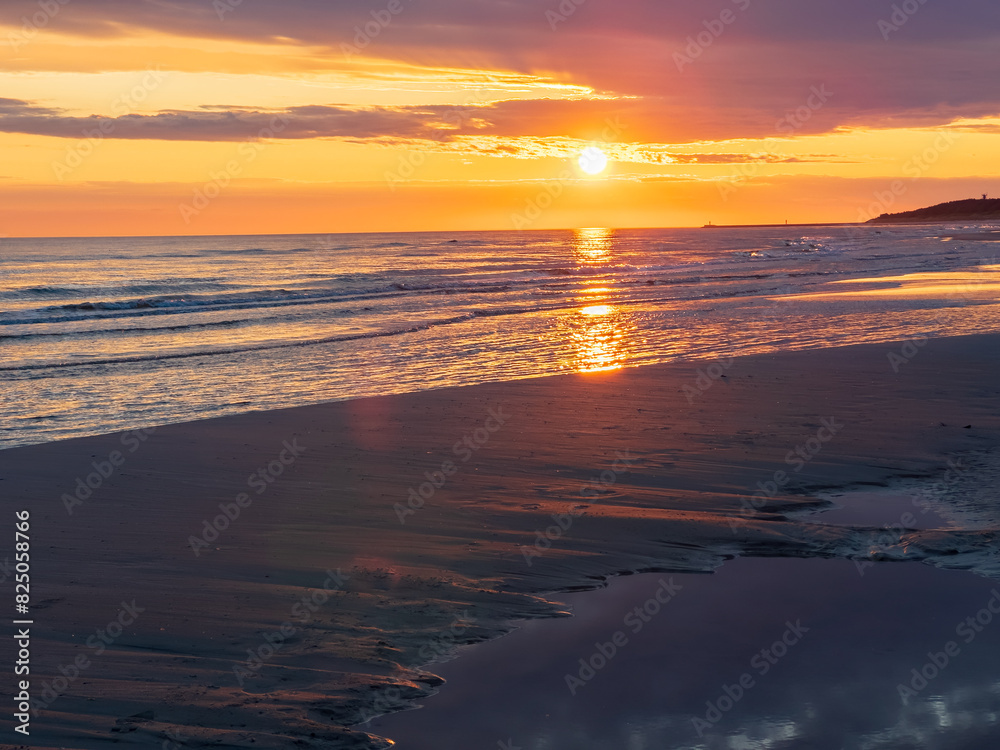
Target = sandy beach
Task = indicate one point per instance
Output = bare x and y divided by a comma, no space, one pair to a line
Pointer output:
275,579
492,375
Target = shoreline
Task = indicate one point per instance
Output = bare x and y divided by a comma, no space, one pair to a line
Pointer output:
120,350
576,478
783,226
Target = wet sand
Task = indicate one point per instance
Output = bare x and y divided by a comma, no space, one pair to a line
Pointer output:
277,578
763,653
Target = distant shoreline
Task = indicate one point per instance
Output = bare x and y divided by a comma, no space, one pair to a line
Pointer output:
969,210
972,209
775,226
872,223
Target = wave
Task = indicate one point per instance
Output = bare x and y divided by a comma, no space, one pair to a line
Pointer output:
261,251
239,349
135,304
172,255
188,304
599,270
71,290
43,291
193,303
138,330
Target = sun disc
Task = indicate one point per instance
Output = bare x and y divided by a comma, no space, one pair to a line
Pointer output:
593,160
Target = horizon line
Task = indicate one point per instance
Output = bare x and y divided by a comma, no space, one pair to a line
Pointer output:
430,231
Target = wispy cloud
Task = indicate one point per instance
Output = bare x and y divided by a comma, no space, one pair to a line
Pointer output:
450,129
221,123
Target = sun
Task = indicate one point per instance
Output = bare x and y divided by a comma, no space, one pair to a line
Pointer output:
593,160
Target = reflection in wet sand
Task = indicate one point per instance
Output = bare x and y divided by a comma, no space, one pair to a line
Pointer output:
838,686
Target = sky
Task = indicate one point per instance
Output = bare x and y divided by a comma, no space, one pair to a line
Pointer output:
196,117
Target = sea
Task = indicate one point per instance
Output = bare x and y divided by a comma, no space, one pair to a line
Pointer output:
99,335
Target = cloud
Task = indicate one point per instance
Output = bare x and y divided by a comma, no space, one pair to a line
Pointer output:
18,107
219,123
940,64
629,130
464,130
628,153
464,24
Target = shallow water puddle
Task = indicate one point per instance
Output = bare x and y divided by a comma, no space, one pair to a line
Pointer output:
765,653
880,508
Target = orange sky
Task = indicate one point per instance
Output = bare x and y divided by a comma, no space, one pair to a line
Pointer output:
118,121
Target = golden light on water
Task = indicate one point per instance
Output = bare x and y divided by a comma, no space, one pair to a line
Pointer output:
598,335
593,244
596,331
981,283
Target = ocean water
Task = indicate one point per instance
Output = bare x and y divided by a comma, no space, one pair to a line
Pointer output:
100,335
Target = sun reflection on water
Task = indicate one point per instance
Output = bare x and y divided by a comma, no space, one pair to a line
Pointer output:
598,331
597,310
598,335
592,245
